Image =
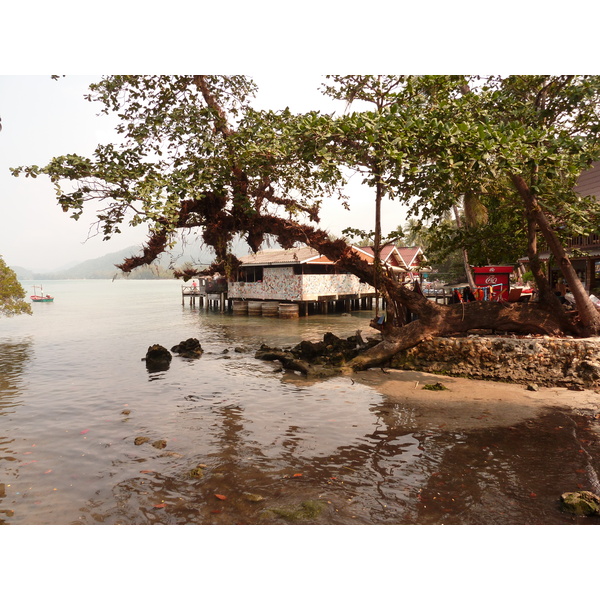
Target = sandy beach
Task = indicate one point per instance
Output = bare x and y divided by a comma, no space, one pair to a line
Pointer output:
474,404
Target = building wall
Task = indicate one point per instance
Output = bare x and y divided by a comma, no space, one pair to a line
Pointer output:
589,182
329,285
280,283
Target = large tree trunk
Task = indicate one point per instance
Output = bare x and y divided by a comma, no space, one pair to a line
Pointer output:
377,240
438,320
520,318
589,316
546,296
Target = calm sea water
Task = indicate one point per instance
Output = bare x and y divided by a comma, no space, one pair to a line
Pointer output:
230,439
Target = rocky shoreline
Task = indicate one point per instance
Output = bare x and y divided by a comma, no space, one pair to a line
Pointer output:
528,360
540,360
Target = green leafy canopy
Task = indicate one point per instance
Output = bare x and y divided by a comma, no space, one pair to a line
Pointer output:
12,294
193,153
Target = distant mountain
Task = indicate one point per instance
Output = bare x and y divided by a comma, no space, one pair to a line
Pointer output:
23,273
104,268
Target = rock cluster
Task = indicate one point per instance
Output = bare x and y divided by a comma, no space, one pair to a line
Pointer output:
331,352
158,358
529,360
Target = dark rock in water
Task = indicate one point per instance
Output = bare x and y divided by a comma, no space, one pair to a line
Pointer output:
158,358
196,473
265,348
287,359
581,503
189,348
140,440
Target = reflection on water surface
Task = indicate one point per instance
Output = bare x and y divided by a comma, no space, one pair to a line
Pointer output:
89,436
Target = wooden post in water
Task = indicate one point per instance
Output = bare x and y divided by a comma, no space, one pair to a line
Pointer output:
288,311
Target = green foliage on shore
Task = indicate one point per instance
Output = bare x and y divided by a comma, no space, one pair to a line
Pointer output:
12,294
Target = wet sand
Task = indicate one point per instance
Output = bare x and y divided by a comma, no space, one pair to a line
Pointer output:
474,404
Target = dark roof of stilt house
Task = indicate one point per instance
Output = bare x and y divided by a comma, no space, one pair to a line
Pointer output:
293,256
588,183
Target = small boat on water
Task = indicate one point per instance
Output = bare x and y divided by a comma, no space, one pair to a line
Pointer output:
41,297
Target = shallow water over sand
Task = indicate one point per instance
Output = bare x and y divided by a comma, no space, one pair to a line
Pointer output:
230,439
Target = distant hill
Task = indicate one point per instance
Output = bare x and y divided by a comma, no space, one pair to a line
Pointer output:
22,273
104,268
97,268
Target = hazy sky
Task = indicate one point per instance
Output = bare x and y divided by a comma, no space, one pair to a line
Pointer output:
43,118
285,47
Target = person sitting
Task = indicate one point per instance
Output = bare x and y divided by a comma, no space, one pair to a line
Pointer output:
468,295
562,299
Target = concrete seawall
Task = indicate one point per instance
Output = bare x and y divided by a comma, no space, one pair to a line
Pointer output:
543,360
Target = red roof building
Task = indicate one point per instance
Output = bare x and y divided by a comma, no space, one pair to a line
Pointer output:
304,275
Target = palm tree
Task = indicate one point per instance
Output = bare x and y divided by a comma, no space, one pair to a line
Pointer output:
475,214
